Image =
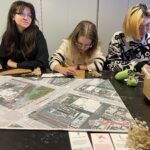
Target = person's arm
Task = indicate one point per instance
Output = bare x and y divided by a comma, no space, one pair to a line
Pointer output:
115,58
3,58
11,63
97,61
41,55
57,61
68,70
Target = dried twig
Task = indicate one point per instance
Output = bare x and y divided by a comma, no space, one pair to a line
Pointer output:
139,136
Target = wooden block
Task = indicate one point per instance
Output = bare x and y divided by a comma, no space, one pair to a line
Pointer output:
146,88
80,74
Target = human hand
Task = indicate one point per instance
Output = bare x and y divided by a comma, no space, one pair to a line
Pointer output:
11,63
69,71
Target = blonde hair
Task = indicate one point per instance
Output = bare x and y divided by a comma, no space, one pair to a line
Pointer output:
133,19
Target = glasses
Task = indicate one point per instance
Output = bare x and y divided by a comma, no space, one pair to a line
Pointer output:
86,46
24,15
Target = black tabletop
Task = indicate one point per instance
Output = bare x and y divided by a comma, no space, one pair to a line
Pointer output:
133,98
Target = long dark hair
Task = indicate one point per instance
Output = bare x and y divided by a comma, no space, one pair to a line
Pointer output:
11,35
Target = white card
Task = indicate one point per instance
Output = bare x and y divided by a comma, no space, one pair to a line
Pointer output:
51,75
101,141
80,141
119,141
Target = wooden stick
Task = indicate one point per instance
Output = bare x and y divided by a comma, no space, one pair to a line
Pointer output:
15,71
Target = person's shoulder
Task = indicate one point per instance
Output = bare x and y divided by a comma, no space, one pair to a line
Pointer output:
38,31
39,34
66,42
119,33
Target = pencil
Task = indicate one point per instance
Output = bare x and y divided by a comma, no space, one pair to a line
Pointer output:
66,64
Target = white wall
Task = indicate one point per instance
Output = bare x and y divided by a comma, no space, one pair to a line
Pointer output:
57,18
111,15
61,16
3,14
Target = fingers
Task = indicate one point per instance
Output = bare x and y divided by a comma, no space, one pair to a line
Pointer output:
11,63
71,71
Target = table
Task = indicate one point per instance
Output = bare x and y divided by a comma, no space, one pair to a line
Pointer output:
133,98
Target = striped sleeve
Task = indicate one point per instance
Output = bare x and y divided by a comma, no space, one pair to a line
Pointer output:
59,56
98,61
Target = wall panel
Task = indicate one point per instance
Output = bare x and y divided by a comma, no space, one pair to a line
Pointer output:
61,16
111,15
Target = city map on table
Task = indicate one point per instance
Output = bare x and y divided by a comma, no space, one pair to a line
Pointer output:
61,104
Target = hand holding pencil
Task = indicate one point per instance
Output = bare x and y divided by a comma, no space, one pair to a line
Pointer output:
70,70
